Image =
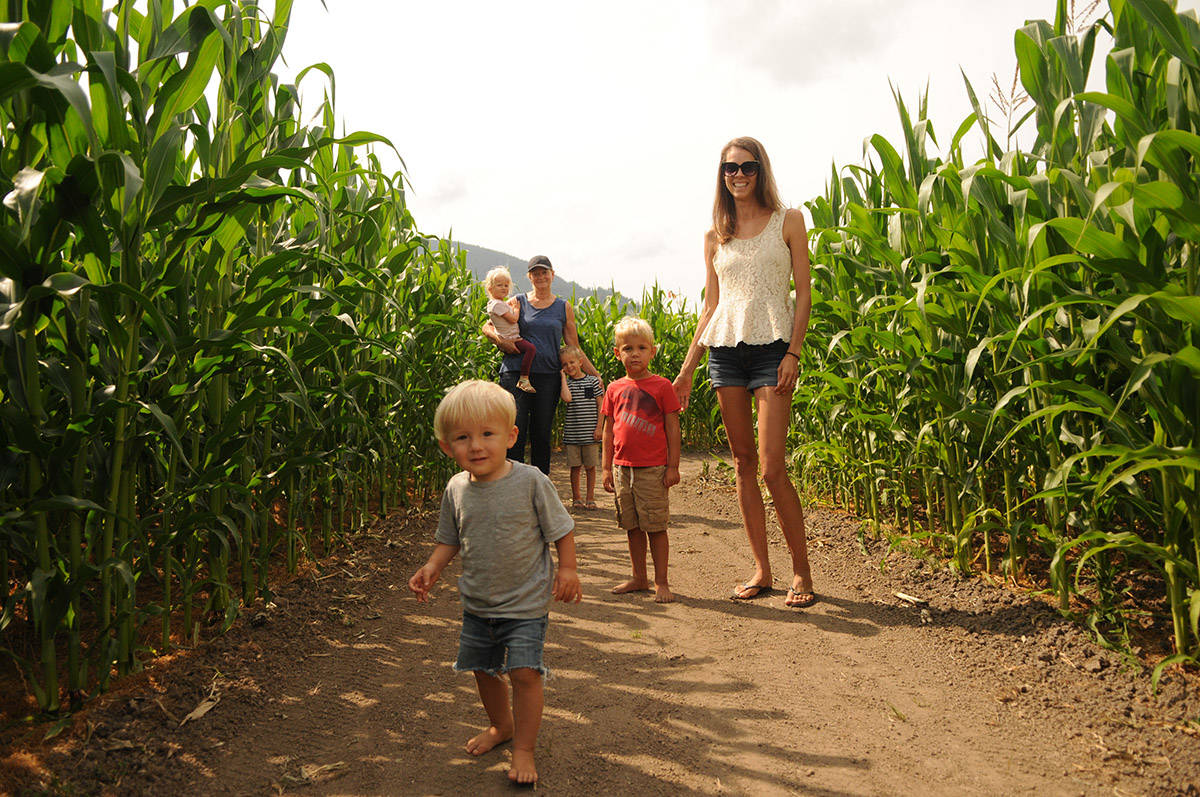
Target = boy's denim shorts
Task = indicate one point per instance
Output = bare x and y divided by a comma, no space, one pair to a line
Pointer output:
495,645
748,365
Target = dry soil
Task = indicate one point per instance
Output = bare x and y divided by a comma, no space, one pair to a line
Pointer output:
343,685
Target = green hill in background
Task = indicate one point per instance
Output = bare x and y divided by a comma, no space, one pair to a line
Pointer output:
480,260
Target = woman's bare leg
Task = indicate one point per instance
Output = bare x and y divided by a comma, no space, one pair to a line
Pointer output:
774,417
739,428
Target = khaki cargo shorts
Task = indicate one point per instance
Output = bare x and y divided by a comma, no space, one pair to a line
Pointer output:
587,456
642,501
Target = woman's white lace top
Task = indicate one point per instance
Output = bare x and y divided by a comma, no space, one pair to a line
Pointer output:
755,305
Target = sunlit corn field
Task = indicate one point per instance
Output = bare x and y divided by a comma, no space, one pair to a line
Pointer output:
1003,358
224,336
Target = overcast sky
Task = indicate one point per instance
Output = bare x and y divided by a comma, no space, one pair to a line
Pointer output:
591,132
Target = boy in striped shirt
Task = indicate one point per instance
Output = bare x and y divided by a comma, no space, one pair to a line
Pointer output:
582,428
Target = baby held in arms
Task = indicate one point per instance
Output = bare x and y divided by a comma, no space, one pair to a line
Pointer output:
505,314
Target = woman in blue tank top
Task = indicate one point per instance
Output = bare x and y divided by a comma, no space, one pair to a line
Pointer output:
546,322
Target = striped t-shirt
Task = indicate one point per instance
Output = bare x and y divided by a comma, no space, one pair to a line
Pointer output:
583,412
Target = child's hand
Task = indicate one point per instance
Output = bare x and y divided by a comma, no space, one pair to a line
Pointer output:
608,482
566,586
671,476
422,580
598,435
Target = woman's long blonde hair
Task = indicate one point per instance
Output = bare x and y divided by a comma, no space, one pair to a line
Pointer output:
765,190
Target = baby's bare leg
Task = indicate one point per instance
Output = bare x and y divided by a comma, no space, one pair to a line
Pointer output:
637,558
527,716
659,552
493,692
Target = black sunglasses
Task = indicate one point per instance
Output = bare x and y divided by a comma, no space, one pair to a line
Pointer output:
748,168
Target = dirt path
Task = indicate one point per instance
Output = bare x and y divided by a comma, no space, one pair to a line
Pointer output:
344,688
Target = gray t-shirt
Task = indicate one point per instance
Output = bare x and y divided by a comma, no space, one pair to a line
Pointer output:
504,529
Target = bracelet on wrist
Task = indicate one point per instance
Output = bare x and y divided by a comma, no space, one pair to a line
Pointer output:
797,356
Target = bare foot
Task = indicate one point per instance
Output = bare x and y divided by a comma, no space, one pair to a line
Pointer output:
662,594
632,585
522,769
478,745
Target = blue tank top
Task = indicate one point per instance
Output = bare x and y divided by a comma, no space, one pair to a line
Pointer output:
544,329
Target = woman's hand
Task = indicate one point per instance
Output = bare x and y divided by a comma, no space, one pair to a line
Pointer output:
489,332
683,389
786,374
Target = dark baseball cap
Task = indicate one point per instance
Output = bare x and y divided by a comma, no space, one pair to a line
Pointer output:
539,261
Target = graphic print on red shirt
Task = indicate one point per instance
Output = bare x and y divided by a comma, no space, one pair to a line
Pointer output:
639,408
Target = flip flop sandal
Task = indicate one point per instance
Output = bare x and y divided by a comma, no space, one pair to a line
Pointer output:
759,591
803,603
590,505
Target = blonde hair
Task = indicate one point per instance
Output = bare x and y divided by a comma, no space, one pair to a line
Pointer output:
570,350
632,326
473,400
490,279
765,191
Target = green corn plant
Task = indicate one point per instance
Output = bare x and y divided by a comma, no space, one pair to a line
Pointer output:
1005,348
215,318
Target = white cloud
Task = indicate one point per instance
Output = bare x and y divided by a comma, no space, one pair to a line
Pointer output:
799,43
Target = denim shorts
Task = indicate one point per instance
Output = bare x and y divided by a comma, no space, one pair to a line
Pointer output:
748,365
495,645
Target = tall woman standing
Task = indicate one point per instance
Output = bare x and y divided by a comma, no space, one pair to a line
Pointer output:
753,330
547,321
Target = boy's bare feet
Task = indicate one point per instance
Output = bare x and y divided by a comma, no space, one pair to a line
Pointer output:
478,745
522,769
632,585
662,594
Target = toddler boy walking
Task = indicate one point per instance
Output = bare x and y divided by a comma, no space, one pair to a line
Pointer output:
503,516
641,454
582,427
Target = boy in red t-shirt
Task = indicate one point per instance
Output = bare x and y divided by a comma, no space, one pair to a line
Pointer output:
641,454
